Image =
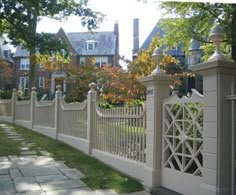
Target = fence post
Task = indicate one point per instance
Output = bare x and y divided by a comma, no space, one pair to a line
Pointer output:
157,90
218,74
14,99
58,97
32,109
92,98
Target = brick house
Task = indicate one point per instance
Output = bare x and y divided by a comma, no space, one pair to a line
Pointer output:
102,46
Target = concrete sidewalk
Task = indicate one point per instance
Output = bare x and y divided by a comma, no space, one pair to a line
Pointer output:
32,174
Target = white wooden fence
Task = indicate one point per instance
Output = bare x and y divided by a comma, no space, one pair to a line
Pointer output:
115,136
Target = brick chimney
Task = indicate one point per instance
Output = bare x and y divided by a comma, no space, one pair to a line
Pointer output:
135,37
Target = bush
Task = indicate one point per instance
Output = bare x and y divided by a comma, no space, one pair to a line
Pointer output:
6,94
105,105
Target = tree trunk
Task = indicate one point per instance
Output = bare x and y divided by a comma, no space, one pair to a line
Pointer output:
33,62
33,68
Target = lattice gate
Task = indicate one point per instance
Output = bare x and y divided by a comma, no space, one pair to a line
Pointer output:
182,143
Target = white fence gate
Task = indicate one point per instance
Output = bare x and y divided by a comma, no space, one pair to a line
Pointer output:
182,143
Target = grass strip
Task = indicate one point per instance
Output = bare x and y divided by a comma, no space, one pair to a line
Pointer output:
7,146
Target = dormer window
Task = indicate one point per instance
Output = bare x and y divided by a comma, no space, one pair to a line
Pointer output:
90,45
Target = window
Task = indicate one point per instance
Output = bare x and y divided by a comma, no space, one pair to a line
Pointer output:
40,66
82,60
24,83
90,46
41,82
24,64
100,61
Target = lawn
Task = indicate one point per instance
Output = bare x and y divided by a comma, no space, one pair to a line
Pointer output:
98,175
7,147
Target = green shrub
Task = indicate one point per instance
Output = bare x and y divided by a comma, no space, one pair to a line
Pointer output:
6,94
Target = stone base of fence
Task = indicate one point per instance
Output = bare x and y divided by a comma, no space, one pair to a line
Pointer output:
6,119
78,143
48,131
24,123
130,167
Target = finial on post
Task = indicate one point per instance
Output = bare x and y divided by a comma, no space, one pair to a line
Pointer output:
58,87
217,35
33,89
157,55
93,86
14,90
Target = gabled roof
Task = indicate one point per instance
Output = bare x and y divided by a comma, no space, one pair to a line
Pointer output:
105,42
158,31
155,31
20,52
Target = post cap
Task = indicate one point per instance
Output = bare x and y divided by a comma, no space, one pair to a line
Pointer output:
33,89
93,85
58,87
217,33
157,53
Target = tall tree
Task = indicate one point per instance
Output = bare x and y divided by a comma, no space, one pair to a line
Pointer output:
19,19
189,20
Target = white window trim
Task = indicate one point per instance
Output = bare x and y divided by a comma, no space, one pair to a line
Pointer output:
23,82
101,60
23,64
90,44
41,82
82,62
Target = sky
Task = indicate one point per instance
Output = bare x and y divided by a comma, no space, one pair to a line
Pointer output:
123,11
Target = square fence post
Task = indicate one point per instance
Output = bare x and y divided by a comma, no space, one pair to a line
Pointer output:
92,99
32,104
58,97
14,99
218,74
157,90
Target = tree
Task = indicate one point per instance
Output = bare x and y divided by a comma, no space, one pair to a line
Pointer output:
6,74
79,78
144,64
19,18
194,21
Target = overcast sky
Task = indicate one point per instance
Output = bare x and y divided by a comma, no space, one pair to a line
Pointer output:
122,11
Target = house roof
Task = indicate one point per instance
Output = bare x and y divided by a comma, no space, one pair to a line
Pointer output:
194,45
20,52
105,42
158,31
155,31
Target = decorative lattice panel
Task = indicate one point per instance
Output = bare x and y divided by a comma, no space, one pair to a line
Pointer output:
182,133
